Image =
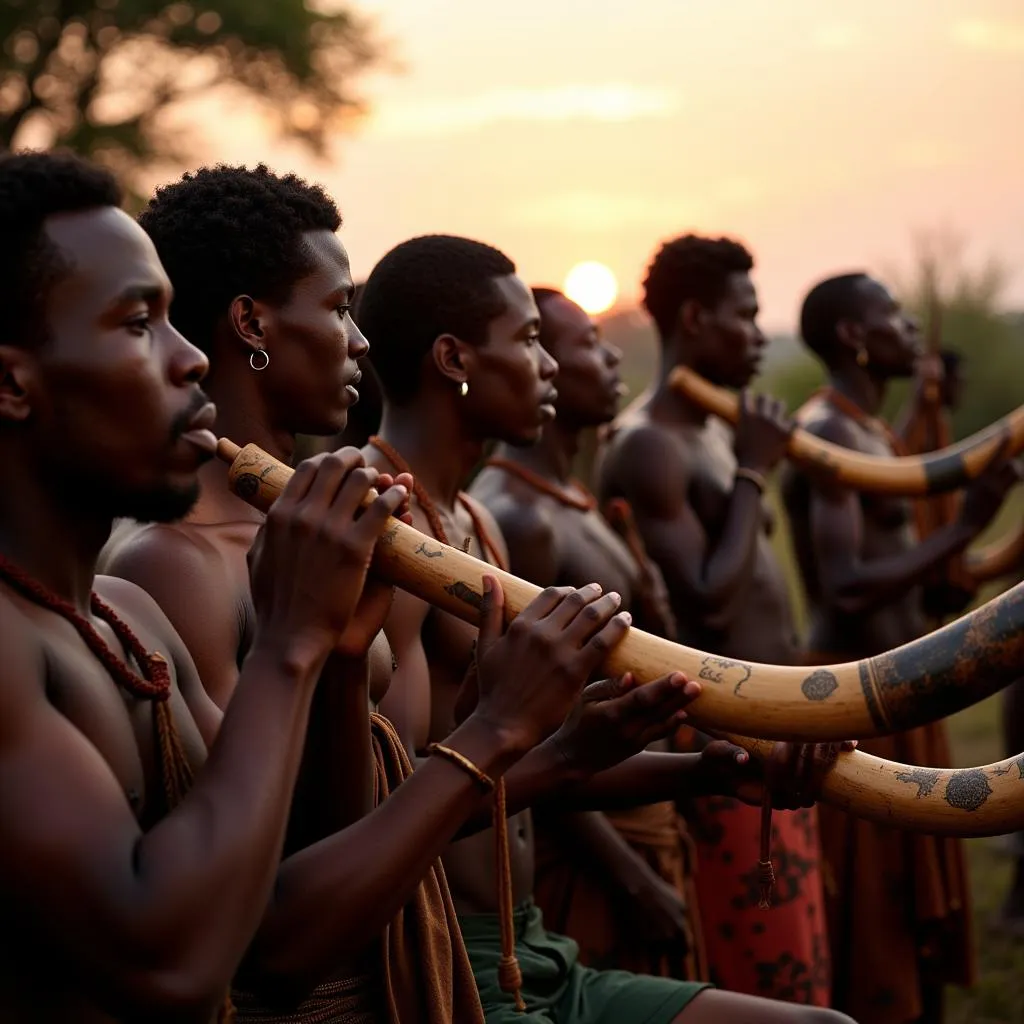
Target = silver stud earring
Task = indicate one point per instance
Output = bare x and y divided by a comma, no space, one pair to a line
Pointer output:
464,389
266,359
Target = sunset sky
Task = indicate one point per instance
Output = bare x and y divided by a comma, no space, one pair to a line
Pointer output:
820,132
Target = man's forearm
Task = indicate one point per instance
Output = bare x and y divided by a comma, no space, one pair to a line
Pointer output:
333,898
644,778
205,872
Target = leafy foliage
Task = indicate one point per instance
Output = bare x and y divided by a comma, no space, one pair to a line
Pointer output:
98,76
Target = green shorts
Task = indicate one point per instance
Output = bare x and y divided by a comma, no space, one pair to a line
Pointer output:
556,988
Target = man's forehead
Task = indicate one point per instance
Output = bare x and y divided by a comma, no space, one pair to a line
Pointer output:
105,253
519,301
876,293
329,255
568,318
741,286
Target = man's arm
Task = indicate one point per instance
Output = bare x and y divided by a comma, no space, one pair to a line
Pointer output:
369,870
533,555
156,921
655,479
849,582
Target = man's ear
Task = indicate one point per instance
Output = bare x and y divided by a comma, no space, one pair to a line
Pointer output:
850,335
18,375
691,317
248,319
453,359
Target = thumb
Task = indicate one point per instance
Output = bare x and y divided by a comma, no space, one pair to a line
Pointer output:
492,608
608,689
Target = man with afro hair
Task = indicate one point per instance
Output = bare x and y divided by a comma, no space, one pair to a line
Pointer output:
696,488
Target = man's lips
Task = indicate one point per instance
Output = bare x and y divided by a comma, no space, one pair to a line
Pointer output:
200,429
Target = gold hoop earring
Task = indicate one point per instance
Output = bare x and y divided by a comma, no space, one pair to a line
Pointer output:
464,389
266,359
862,357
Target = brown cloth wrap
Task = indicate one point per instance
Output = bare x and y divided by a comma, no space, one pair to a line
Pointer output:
424,972
928,431
897,903
578,901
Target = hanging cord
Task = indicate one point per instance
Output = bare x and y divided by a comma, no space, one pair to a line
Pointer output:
154,685
510,977
765,871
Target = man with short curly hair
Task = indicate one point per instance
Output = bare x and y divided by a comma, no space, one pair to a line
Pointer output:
696,490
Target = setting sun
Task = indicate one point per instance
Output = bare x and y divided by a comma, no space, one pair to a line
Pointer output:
592,286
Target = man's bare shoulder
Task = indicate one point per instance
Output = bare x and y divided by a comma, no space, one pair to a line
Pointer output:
645,452
133,604
190,554
516,508
527,523
823,420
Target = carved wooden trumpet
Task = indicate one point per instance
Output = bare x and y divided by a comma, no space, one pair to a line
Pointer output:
911,685
911,476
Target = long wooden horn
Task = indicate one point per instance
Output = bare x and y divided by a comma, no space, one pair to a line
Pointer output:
928,679
911,476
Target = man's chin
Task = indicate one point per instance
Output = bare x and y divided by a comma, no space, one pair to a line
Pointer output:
525,439
161,505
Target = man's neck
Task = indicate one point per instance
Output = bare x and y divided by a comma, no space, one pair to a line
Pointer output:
433,442
860,387
666,403
552,456
54,541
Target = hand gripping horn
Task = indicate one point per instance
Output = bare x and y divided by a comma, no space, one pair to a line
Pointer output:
909,475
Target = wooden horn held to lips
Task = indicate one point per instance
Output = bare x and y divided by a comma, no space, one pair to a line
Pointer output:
909,476
925,680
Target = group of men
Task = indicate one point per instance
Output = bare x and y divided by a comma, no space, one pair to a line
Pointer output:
242,778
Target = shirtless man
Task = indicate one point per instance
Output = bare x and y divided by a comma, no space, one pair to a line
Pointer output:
696,490
457,351
127,904
629,901
266,293
898,911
